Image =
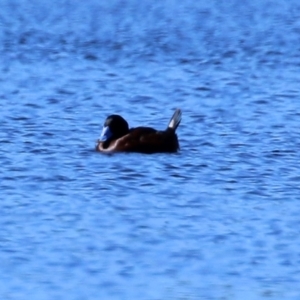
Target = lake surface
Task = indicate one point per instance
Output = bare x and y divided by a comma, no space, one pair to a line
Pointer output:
217,220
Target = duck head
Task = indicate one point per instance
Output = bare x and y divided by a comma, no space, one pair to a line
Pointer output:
114,127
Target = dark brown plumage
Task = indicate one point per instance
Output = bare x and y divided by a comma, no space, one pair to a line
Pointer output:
117,137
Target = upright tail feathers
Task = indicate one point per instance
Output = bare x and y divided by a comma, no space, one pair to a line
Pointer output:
175,120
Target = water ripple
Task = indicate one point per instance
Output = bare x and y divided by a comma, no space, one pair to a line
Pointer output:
218,219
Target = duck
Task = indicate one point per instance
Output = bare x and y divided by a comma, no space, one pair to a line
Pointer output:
116,136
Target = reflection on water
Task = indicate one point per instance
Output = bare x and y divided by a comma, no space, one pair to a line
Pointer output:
218,220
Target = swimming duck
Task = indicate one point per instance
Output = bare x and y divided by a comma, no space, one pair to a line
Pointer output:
117,137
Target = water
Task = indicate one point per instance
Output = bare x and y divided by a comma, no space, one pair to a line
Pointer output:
219,219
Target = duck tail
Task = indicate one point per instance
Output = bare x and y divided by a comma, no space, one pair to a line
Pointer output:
175,120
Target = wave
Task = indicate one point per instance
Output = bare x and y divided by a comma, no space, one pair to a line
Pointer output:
112,28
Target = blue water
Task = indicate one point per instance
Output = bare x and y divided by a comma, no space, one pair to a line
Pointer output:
218,220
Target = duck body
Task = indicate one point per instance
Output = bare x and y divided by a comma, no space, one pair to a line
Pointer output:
117,137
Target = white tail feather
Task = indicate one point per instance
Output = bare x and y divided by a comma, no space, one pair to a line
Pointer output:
175,120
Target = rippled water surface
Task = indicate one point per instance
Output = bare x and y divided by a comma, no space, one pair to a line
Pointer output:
217,220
